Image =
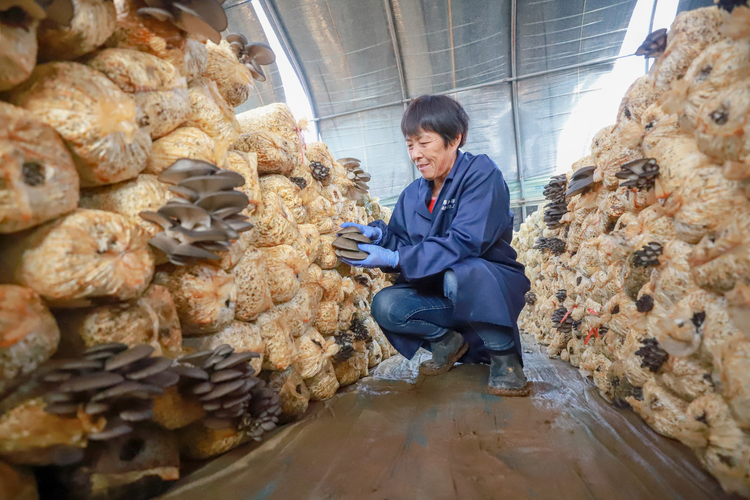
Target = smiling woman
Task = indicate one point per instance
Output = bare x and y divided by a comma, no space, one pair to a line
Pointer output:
460,289
434,127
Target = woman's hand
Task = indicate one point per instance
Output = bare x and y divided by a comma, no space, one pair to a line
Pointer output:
374,233
379,257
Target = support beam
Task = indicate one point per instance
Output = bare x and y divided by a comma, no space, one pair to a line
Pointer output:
651,27
514,107
273,17
399,63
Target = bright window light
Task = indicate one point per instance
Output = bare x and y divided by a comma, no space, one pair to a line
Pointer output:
295,95
596,110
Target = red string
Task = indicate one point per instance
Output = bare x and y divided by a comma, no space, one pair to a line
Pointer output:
567,314
595,332
302,145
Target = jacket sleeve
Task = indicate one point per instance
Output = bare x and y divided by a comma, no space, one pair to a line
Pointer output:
394,233
483,214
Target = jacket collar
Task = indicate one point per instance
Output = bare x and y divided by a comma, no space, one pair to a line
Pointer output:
425,188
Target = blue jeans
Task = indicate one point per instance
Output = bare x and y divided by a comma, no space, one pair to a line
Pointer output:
411,318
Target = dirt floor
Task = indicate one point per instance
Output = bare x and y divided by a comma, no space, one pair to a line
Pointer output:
444,438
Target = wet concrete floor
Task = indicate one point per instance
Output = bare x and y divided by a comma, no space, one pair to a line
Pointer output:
444,438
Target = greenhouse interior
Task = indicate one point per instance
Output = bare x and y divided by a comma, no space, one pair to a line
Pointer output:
466,249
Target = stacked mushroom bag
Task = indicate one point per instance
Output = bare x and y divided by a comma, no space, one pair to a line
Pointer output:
639,259
98,286
295,291
149,274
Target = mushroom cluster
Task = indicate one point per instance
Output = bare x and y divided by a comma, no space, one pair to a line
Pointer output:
109,380
319,171
204,217
203,19
640,174
581,182
652,354
252,55
654,44
561,320
224,382
648,256
347,243
554,191
355,174
554,245
351,341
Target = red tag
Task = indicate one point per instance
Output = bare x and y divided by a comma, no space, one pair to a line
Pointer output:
567,314
591,311
594,331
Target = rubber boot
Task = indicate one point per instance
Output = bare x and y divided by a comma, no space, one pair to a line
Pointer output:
445,352
506,376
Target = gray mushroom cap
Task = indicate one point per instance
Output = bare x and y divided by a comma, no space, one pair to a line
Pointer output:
582,179
655,43
348,254
345,244
185,168
217,201
201,18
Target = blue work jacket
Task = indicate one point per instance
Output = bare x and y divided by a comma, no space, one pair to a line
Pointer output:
468,231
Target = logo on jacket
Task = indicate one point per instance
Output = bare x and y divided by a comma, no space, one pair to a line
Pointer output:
449,204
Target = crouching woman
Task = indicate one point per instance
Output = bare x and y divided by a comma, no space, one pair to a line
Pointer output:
460,289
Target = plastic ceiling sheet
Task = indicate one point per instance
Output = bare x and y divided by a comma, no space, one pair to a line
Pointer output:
546,105
491,129
345,50
242,19
555,33
375,138
446,44
347,58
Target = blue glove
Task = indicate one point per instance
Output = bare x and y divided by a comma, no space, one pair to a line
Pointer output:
374,233
379,257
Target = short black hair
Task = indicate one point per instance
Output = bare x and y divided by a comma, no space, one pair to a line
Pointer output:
436,113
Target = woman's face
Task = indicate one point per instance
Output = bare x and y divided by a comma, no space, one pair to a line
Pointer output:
433,159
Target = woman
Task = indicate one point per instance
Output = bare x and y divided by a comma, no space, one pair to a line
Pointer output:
460,290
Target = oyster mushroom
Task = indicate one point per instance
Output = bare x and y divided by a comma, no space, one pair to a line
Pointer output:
581,182
224,382
554,245
640,174
553,214
648,256
347,244
357,177
654,44
562,320
320,172
252,55
555,189
203,19
110,380
205,218
652,354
